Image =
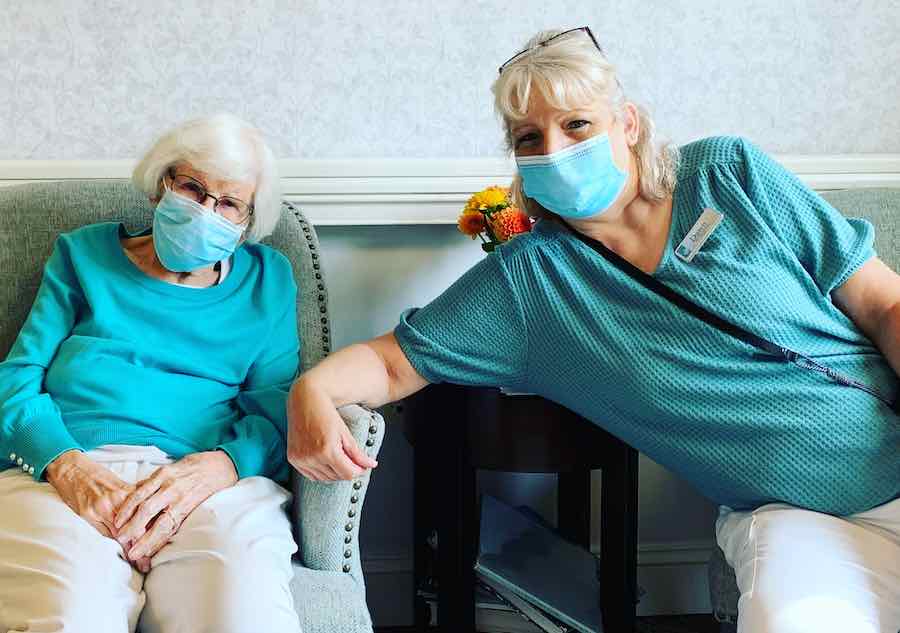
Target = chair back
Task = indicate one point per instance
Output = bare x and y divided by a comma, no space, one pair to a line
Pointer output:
882,208
33,215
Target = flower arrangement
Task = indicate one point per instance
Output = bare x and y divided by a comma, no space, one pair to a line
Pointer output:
491,215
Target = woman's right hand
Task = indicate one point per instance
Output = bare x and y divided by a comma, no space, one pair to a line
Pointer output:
92,491
319,445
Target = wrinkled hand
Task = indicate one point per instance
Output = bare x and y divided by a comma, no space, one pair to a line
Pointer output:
92,491
151,514
320,446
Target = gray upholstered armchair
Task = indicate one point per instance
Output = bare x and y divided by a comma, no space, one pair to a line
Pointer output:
328,581
882,208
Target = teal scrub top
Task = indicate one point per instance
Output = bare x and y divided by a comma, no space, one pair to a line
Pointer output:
548,315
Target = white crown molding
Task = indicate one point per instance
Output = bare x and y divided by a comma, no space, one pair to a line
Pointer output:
427,191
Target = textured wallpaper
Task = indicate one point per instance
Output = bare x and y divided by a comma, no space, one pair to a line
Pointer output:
86,79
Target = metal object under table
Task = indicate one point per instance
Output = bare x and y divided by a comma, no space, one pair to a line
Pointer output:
458,430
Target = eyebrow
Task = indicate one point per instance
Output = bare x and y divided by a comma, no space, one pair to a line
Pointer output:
221,194
520,128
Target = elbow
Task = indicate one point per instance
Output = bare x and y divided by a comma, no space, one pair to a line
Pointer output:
890,322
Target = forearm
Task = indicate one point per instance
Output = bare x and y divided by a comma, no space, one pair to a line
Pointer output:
887,337
371,373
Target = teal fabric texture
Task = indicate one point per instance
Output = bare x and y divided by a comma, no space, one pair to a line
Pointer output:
109,355
547,314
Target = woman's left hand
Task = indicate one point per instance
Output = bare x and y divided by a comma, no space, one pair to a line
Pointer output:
151,515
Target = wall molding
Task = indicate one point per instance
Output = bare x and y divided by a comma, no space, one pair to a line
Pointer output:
672,573
650,554
427,191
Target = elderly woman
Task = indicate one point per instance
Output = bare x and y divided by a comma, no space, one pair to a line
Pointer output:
732,396
142,409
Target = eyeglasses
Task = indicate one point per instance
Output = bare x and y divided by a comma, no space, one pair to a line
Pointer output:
580,29
232,209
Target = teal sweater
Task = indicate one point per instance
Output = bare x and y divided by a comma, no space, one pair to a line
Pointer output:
109,355
547,314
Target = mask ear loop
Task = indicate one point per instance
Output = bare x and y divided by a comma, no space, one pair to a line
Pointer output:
162,187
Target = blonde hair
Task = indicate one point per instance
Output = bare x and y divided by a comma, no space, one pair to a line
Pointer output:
224,147
570,72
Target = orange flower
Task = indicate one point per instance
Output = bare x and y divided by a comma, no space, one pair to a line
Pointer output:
471,223
509,223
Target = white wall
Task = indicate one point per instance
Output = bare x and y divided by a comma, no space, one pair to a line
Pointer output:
330,78
87,79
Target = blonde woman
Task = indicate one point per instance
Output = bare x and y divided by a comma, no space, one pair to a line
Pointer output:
583,311
142,409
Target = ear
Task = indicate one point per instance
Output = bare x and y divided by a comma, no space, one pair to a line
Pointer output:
631,120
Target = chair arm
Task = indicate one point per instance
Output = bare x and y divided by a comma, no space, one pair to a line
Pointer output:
327,514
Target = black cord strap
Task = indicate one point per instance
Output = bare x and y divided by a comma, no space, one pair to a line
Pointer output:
655,285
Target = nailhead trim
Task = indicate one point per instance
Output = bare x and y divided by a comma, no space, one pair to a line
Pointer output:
322,298
357,485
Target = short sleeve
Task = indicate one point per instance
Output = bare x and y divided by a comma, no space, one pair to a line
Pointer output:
829,246
473,334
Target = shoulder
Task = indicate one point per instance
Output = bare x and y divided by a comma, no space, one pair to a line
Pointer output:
88,239
714,151
272,268
522,247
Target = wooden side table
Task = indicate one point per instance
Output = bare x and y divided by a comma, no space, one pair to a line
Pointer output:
457,430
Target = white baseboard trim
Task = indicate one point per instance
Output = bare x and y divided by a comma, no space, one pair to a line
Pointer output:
427,191
674,553
376,564
650,554
672,574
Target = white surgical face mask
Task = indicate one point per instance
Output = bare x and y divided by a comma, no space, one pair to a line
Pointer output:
188,236
577,182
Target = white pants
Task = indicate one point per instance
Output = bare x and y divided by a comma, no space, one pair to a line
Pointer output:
802,571
227,569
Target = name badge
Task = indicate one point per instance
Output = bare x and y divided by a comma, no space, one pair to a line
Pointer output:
699,233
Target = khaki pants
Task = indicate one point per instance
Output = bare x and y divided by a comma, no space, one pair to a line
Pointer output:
801,572
227,569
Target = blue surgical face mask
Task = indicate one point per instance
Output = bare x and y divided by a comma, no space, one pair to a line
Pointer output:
577,182
188,236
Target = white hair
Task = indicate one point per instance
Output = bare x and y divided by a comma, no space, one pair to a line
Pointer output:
570,72
226,148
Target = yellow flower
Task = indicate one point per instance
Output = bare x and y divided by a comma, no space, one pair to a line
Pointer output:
471,223
488,199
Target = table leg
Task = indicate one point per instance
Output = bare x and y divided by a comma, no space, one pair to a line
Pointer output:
456,512
618,520
424,515
573,507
